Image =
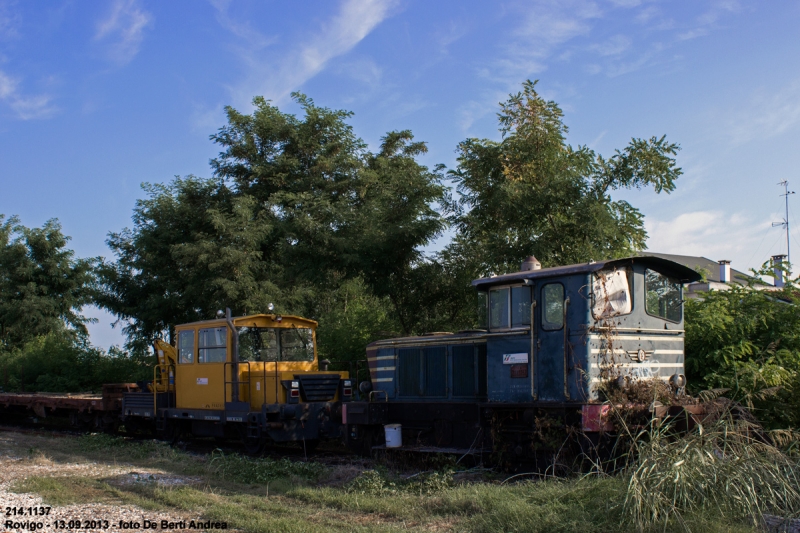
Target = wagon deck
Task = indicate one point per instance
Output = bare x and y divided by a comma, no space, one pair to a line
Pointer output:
40,402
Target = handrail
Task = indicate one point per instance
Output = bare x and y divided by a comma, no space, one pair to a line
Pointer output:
234,382
533,352
234,355
374,392
637,330
566,346
169,386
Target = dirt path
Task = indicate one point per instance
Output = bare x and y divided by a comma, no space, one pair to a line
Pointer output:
21,457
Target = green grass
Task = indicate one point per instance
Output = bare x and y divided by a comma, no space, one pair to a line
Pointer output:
265,495
68,490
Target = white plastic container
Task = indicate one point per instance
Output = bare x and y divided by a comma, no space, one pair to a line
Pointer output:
394,435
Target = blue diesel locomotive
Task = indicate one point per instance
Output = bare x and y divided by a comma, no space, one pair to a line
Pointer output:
554,342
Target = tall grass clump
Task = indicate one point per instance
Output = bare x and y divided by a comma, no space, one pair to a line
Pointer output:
724,467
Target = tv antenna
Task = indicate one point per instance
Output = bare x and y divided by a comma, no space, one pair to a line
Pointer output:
785,222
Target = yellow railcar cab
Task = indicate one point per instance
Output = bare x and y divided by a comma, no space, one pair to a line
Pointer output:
272,349
256,378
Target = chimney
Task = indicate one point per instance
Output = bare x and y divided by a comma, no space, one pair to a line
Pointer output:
725,271
777,263
530,263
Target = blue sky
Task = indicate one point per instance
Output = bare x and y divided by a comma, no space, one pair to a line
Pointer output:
98,97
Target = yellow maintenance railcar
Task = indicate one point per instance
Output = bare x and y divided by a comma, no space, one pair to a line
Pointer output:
256,377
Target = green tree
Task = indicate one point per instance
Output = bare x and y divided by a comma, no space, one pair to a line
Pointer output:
195,248
43,286
351,317
532,193
58,363
337,207
297,207
748,340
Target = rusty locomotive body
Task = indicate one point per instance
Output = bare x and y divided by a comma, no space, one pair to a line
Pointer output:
553,342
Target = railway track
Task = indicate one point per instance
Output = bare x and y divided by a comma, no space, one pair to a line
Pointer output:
327,453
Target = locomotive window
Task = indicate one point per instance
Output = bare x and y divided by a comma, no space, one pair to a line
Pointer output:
258,344
553,306
612,293
483,309
297,344
498,311
213,342
276,344
520,306
662,296
186,347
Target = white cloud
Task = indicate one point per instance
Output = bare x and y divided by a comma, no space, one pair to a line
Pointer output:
745,241
765,115
596,141
123,30
9,21
364,70
545,26
474,110
276,78
613,46
24,106
8,86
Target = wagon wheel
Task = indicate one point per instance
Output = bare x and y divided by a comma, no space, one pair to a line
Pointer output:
252,445
173,431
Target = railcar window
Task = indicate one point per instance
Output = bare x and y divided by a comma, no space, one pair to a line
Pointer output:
612,293
498,312
483,309
553,306
186,347
258,344
276,344
662,296
297,344
520,306
213,343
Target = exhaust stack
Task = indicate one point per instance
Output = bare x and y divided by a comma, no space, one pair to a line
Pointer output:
777,263
530,263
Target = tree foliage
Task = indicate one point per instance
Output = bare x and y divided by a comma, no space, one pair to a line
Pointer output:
61,363
532,193
43,286
297,206
748,341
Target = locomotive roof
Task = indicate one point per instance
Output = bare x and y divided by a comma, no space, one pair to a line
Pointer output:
249,319
665,266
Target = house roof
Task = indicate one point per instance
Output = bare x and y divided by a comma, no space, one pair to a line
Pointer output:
707,266
667,266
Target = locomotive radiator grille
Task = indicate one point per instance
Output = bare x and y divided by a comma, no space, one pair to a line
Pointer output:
318,388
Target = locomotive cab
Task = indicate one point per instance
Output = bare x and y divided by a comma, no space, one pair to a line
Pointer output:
551,342
615,320
276,364
253,377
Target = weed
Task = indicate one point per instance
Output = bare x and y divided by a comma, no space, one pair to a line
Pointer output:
724,467
241,469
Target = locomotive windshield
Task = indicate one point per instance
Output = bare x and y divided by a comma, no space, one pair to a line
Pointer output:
612,293
662,296
276,344
509,307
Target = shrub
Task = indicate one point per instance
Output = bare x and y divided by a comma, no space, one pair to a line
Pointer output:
59,362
